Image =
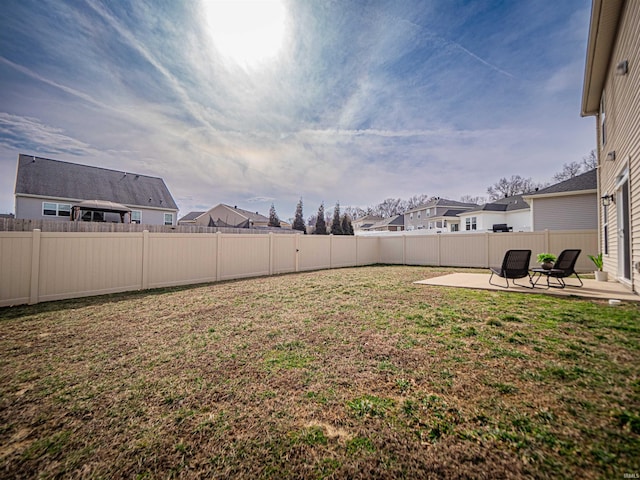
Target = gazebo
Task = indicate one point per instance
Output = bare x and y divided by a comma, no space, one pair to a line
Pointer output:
95,210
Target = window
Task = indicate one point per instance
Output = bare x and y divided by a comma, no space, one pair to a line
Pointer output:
603,122
471,223
136,216
50,209
168,218
455,227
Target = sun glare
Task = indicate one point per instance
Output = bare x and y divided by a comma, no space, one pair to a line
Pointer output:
248,32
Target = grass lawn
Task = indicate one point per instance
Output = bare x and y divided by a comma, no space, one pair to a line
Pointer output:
351,373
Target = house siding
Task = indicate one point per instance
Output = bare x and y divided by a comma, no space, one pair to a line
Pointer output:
30,208
575,212
622,109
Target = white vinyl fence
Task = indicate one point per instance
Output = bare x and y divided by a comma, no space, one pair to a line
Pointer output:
42,266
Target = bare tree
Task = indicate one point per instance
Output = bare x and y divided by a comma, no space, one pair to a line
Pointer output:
514,186
478,200
569,170
590,161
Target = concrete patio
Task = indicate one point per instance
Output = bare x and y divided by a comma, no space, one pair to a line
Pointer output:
591,289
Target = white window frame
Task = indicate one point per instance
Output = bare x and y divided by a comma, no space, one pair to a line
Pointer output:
57,209
165,219
139,220
471,223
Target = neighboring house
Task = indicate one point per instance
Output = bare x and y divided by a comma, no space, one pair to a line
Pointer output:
225,216
48,190
438,215
568,205
365,222
391,224
610,93
512,212
190,218
7,215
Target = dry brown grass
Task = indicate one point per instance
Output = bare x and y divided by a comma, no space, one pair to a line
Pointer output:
352,373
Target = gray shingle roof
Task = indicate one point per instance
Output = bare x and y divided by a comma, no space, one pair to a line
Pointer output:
441,202
508,204
191,216
586,181
253,216
55,178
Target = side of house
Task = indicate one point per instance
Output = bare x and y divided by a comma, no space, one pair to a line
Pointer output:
610,93
568,205
48,189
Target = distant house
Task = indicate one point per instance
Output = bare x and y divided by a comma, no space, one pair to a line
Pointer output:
49,189
391,224
568,205
610,93
437,215
225,216
506,214
363,223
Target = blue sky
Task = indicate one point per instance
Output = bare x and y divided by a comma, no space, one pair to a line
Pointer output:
359,101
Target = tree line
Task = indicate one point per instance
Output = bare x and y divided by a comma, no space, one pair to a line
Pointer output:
340,223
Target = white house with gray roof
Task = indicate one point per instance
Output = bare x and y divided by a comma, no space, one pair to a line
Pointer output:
568,205
48,189
511,213
225,216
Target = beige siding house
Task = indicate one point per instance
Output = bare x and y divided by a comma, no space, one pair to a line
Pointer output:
436,216
610,93
365,222
225,216
568,205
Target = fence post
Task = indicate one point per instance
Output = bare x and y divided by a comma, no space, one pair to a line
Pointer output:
218,254
487,239
271,247
145,259
330,250
297,261
34,293
546,240
439,250
404,249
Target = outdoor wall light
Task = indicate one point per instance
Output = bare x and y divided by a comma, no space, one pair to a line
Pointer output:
622,68
611,156
607,199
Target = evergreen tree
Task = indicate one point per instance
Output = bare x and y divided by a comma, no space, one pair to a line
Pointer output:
336,226
298,222
321,225
347,226
274,221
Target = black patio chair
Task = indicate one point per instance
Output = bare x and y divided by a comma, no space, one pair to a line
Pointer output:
515,264
563,267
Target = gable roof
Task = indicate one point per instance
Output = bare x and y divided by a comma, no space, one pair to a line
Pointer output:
191,216
587,181
45,177
253,216
603,28
395,220
441,202
507,204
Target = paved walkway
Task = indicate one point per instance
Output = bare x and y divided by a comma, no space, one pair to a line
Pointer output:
591,289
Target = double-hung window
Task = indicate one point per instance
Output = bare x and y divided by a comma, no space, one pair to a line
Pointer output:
168,218
471,223
136,216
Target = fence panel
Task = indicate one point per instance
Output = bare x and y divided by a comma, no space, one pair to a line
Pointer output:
463,250
368,251
284,253
15,268
83,264
180,259
422,250
586,240
392,249
343,251
315,252
243,256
